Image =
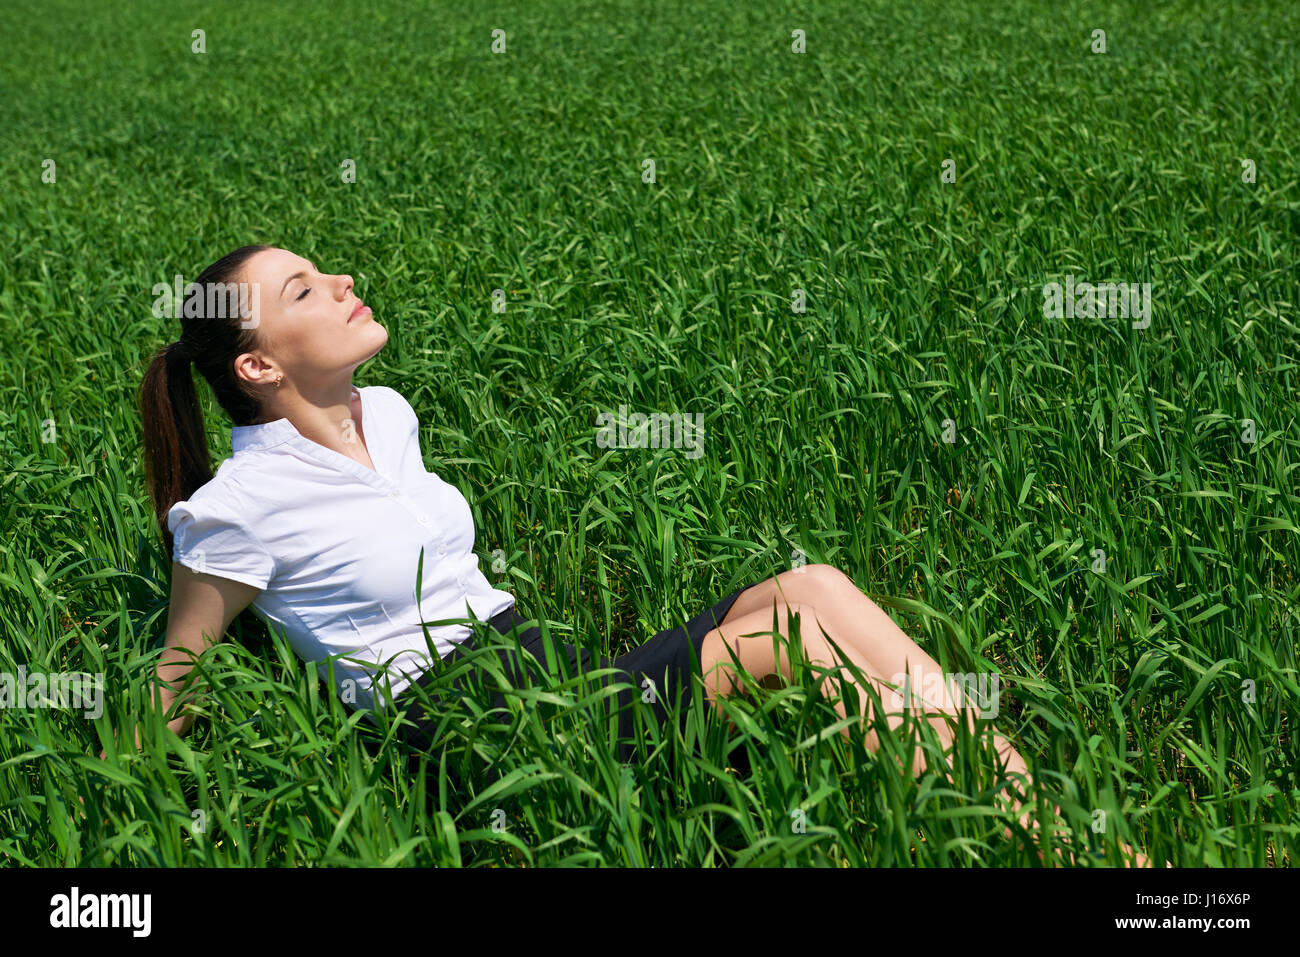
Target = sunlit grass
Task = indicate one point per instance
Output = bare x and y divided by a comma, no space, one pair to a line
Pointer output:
1161,691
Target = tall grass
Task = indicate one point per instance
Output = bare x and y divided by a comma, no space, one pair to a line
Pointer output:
1160,691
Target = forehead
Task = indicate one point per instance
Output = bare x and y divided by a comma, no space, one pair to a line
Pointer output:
271,265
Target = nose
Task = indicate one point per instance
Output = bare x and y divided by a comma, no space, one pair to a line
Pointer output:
347,285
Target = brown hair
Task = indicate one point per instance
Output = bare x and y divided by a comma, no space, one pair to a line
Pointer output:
176,457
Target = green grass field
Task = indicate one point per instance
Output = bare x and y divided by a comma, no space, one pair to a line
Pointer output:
1105,515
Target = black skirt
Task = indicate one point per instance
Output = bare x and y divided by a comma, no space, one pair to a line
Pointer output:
660,671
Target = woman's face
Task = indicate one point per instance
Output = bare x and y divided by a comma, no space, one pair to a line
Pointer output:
307,323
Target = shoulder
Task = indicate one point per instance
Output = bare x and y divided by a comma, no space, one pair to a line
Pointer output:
392,401
213,530
384,394
230,496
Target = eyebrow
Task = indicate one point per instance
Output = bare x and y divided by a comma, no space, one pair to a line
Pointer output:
297,275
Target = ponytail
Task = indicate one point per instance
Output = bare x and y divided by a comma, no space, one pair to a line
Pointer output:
177,461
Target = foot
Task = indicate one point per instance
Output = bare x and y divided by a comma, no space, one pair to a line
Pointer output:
1138,858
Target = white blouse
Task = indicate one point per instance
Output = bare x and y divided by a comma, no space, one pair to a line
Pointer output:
334,546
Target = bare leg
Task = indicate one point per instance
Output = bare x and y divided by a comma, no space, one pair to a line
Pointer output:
856,623
834,610
750,637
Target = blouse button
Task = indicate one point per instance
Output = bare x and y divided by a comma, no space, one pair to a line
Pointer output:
423,519
442,550
395,493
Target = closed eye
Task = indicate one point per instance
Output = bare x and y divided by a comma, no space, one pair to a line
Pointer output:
304,292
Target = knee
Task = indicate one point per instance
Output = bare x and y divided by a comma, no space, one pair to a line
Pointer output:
831,579
815,584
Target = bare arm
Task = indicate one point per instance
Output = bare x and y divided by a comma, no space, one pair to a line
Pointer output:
200,610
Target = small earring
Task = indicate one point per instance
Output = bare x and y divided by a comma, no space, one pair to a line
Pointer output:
277,379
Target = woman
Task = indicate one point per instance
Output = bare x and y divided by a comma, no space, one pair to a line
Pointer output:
324,508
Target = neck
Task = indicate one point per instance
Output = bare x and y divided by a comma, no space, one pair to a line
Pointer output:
323,414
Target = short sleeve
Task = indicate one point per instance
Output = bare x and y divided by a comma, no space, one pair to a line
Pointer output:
212,538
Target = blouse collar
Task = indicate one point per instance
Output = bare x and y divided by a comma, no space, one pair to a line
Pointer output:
265,434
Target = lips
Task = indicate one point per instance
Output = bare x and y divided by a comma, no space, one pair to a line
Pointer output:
360,308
